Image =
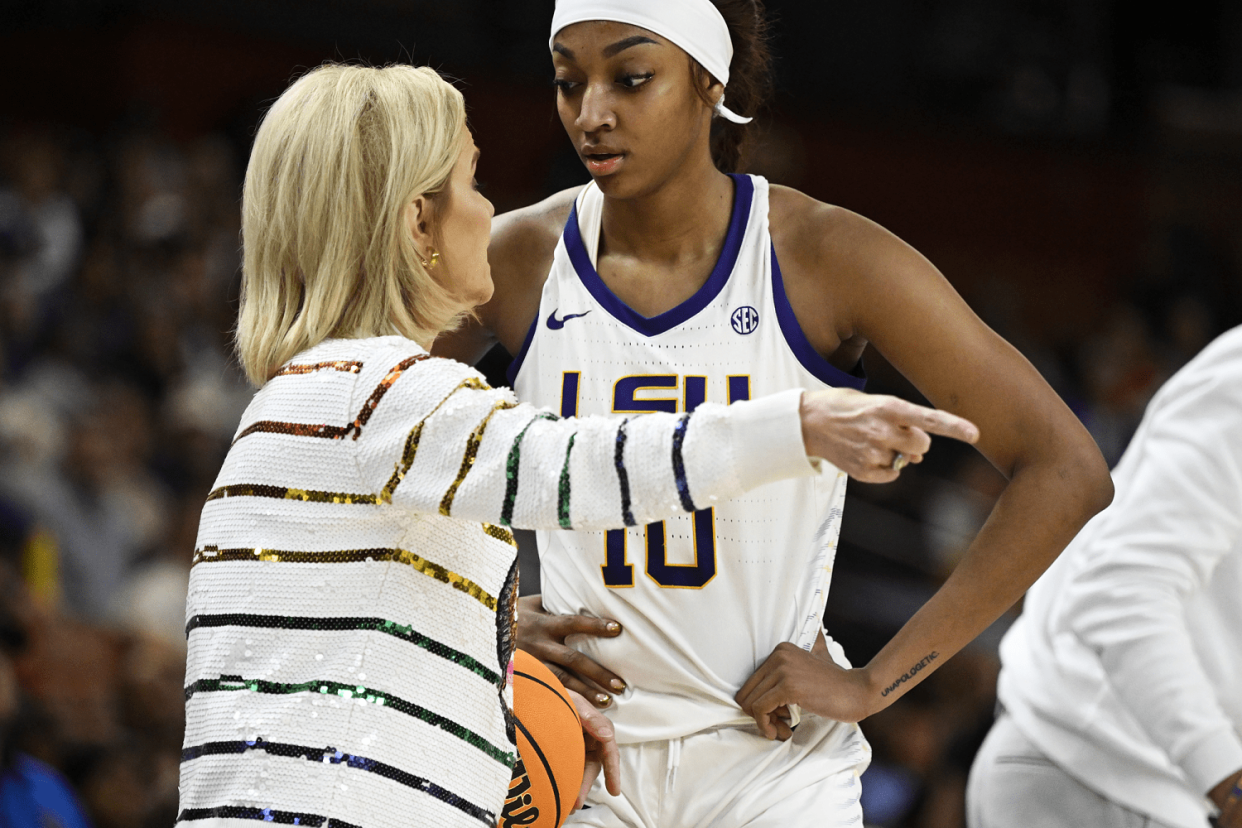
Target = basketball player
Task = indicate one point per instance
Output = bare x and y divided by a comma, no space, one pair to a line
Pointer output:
351,606
1121,683
667,282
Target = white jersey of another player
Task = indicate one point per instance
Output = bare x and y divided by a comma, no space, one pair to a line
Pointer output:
703,598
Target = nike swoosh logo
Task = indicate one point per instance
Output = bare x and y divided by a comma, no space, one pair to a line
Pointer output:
556,324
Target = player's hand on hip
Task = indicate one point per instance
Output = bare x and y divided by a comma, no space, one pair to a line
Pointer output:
1228,797
543,635
791,675
863,434
601,749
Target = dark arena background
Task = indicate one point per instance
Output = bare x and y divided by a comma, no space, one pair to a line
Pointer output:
1074,167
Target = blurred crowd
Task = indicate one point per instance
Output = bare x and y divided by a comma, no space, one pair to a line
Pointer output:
118,398
119,271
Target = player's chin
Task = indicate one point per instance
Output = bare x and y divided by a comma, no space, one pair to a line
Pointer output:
610,185
626,182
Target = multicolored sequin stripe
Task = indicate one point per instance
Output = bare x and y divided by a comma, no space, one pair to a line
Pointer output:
618,459
408,454
679,464
292,622
416,434
333,756
211,553
391,377
263,815
351,366
323,430
296,430
225,684
472,451
512,463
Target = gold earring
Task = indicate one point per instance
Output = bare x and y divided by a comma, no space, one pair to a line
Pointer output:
432,262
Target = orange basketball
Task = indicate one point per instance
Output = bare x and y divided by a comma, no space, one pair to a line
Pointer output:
551,753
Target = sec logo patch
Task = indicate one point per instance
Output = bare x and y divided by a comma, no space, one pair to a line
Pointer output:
744,320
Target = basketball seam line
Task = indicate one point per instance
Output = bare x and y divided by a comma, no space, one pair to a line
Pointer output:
556,792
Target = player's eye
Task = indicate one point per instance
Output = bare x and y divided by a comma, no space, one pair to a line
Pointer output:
477,184
635,81
564,86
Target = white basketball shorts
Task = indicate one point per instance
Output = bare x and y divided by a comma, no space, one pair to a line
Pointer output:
731,777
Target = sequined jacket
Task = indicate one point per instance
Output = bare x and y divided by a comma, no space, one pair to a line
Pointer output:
352,600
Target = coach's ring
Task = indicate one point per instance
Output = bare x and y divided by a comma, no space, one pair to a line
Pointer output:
899,462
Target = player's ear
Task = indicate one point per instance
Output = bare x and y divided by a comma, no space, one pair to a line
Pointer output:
419,219
709,89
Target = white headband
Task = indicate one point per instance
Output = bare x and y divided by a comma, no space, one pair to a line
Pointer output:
695,25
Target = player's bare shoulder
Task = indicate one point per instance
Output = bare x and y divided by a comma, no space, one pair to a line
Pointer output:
836,248
814,243
809,233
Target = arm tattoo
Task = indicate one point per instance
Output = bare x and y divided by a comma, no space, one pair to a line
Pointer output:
909,674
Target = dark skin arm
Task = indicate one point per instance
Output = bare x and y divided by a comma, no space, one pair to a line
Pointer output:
850,280
1228,797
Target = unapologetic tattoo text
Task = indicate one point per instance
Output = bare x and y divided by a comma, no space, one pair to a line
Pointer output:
911,673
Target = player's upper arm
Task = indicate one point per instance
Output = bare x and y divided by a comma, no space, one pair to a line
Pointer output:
883,290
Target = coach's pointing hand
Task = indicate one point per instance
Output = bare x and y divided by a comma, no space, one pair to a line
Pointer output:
543,635
871,436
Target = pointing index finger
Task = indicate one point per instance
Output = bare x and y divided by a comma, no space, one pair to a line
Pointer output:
945,424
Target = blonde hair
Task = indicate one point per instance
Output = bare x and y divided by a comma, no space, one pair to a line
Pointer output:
326,249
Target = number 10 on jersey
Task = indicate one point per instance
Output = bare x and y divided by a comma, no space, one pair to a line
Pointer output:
626,399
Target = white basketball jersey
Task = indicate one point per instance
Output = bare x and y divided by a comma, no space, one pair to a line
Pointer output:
703,598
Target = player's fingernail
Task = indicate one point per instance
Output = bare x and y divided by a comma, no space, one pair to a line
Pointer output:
600,698
618,685
612,627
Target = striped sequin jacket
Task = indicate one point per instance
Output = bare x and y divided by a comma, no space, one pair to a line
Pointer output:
352,601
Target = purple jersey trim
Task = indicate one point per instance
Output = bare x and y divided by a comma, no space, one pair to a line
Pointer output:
821,368
743,193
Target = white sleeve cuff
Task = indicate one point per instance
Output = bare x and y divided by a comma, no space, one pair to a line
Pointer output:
767,439
1213,760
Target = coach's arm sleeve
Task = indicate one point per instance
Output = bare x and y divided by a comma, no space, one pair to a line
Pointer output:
1169,531
446,443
